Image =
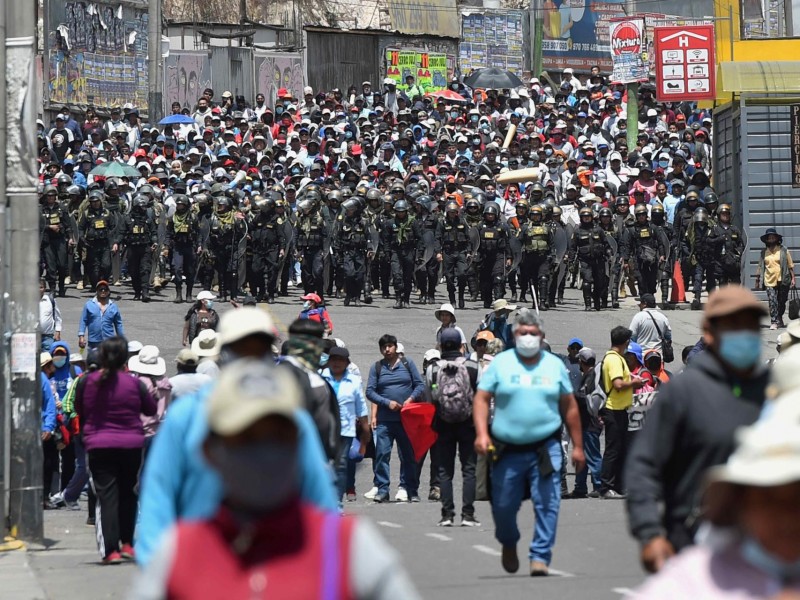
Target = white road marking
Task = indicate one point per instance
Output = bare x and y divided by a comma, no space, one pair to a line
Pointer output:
488,550
439,536
560,573
390,525
624,592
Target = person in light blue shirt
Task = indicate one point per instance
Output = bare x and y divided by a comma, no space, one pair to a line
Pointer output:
533,396
100,319
177,483
672,200
352,410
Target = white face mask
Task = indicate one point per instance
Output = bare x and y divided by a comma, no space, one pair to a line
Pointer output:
529,345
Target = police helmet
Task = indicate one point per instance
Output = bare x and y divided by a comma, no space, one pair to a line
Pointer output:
700,215
451,206
473,204
373,194
657,209
605,212
351,204
64,179
401,206
223,202
557,211
491,208
49,189
585,212
140,201
334,196
181,199
724,208
641,209
96,196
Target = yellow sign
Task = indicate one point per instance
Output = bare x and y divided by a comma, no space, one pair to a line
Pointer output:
427,17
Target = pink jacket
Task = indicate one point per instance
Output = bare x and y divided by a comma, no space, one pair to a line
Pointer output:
710,574
162,392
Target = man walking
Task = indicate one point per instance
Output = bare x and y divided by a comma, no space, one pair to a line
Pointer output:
453,381
100,319
392,382
650,327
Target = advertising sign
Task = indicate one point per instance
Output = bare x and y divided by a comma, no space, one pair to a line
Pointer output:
685,65
425,17
628,51
492,40
429,69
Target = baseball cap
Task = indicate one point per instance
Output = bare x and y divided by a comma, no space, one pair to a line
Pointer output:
732,299
586,355
102,283
648,300
449,336
313,297
243,322
432,354
339,351
187,358
574,341
247,391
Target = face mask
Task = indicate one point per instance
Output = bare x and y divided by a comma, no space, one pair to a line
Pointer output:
553,170
59,362
306,305
453,115
260,476
278,110
474,118
209,304
663,164
740,349
323,360
755,554
548,152
529,345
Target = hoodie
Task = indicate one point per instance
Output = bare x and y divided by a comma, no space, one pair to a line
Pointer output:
63,376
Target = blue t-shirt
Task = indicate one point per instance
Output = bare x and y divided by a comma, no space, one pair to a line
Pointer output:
526,398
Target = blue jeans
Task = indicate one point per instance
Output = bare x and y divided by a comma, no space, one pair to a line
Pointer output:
510,475
47,341
81,475
342,467
385,435
594,462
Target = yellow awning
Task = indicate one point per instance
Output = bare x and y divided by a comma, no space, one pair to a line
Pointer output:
762,76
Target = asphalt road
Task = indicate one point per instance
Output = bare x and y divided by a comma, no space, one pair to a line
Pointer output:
594,557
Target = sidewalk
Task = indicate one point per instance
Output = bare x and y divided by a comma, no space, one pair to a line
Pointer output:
67,565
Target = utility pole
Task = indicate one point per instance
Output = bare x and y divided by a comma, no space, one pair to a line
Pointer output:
21,100
155,98
538,37
632,109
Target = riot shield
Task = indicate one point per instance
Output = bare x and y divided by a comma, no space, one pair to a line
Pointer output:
240,258
427,254
474,245
288,235
515,246
561,243
327,257
161,225
614,251
373,244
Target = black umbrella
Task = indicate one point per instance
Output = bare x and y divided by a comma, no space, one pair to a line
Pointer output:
494,78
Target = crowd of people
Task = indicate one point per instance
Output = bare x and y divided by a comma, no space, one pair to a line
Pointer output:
236,471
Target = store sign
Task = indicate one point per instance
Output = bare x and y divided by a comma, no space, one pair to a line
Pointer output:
794,141
628,51
428,17
685,64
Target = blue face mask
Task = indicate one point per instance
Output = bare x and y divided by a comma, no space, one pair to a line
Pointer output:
209,304
306,305
59,362
740,349
278,110
323,360
755,554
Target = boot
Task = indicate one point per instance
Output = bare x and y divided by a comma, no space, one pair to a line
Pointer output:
178,296
452,297
461,303
347,301
431,299
398,303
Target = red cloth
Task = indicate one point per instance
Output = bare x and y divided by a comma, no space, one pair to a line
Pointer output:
417,420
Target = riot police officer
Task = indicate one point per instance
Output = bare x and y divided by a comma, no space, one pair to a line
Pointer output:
453,246
268,241
658,218
140,236
203,209
332,215
683,223
226,231
427,269
402,236
732,247
384,257
557,283
474,219
182,242
312,242
56,239
605,221
644,251
493,254
354,241
538,255
702,245
97,228
621,272
590,247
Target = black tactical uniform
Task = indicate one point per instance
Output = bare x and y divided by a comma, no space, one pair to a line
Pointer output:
605,221
225,233
703,245
538,255
268,240
311,236
658,218
402,235
733,247
56,236
352,241
590,246
620,274
140,236
427,269
97,227
493,254
682,224
203,207
454,245
182,242
474,219
643,250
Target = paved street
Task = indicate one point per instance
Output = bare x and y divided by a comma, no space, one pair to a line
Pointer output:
593,554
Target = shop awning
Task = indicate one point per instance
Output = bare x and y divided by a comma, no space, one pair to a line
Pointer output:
762,76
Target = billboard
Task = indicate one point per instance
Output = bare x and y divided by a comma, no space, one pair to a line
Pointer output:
629,51
428,68
685,65
492,40
425,17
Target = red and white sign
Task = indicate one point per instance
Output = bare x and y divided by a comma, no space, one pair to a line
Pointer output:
628,51
685,65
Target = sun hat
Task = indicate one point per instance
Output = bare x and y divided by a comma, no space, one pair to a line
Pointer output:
502,304
431,355
206,343
148,362
448,308
45,358
249,390
134,347
187,357
400,348
238,324
771,231
784,376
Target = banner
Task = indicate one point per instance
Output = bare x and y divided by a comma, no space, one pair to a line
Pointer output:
428,69
492,40
629,51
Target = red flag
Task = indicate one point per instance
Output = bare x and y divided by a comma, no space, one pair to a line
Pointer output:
417,419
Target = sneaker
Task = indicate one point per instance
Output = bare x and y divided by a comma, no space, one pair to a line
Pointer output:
575,495
594,494
381,498
79,285
114,558
127,552
370,495
613,495
446,522
401,495
414,498
351,495
57,499
290,283
539,569
90,521
774,326
509,559
72,505
469,521
435,494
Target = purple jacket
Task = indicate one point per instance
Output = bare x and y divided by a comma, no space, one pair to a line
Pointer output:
110,411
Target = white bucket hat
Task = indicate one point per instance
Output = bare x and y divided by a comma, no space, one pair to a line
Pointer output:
206,343
448,308
148,362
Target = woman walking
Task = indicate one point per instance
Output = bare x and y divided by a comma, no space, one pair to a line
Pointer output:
776,271
109,403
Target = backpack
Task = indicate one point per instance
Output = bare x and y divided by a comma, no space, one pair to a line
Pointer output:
596,400
379,363
451,389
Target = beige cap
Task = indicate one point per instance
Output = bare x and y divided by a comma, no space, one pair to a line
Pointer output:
249,390
187,357
45,358
238,324
206,343
502,304
732,299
